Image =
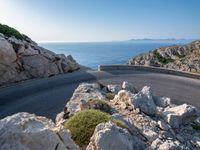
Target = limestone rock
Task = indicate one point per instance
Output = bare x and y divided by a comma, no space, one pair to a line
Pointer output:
172,145
179,115
114,88
123,98
155,144
24,59
109,136
82,94
144,101
162,101
178,57
26,131
163,125
129,87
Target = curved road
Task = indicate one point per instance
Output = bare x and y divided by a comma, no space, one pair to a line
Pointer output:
47,97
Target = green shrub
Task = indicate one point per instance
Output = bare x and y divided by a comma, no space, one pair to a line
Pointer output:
83,123
180,56
162,59
195,127
110,96
9,31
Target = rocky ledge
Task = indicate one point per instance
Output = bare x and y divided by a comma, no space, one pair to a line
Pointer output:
182,57
99,117
23,59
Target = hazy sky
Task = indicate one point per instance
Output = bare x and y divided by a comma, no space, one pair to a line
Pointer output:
102,20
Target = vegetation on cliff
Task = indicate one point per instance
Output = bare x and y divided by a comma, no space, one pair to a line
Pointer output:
9,31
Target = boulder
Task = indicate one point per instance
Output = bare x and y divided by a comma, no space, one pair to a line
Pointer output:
143,100
114,88
163,125
7,53
162,101
129,87
82,95
109,136
26,131
39,66
180,115
123,99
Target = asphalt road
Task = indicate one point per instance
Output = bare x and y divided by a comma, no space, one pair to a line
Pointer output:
47,97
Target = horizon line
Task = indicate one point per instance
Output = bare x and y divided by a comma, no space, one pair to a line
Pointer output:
142,39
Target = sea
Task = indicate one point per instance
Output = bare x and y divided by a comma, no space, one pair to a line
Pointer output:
92,54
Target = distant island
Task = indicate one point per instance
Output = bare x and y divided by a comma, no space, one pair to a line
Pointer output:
167,39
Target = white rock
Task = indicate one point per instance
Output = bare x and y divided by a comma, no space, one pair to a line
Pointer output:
170,145
129,87
123,98
196,141
144,101
114,88
163,125
108,136
155,144
84,92
26,131
162,101
21,60
179,115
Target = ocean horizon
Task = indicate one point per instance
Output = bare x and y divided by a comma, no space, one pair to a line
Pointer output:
92,54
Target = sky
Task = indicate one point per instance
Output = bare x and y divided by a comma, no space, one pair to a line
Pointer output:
102,20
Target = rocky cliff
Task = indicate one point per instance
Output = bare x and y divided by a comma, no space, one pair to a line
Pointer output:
180,57
22,59
105,117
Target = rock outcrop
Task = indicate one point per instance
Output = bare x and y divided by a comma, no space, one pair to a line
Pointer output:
23,59
153,121
109,136
24,131
183,57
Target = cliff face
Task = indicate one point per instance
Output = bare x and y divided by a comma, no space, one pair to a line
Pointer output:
183,57
22,59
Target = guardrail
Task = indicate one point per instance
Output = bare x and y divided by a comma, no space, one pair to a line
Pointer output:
148,69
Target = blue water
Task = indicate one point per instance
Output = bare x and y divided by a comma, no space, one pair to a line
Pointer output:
93,54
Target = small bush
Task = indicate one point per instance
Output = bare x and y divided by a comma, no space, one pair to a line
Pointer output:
180,56
195,127
9,31
83,123
110,96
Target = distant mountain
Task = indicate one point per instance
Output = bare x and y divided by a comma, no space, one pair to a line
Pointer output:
178,57
169,39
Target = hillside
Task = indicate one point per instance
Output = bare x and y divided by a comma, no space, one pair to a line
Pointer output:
178,57
22,59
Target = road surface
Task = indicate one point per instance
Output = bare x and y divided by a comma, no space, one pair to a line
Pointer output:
47,97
